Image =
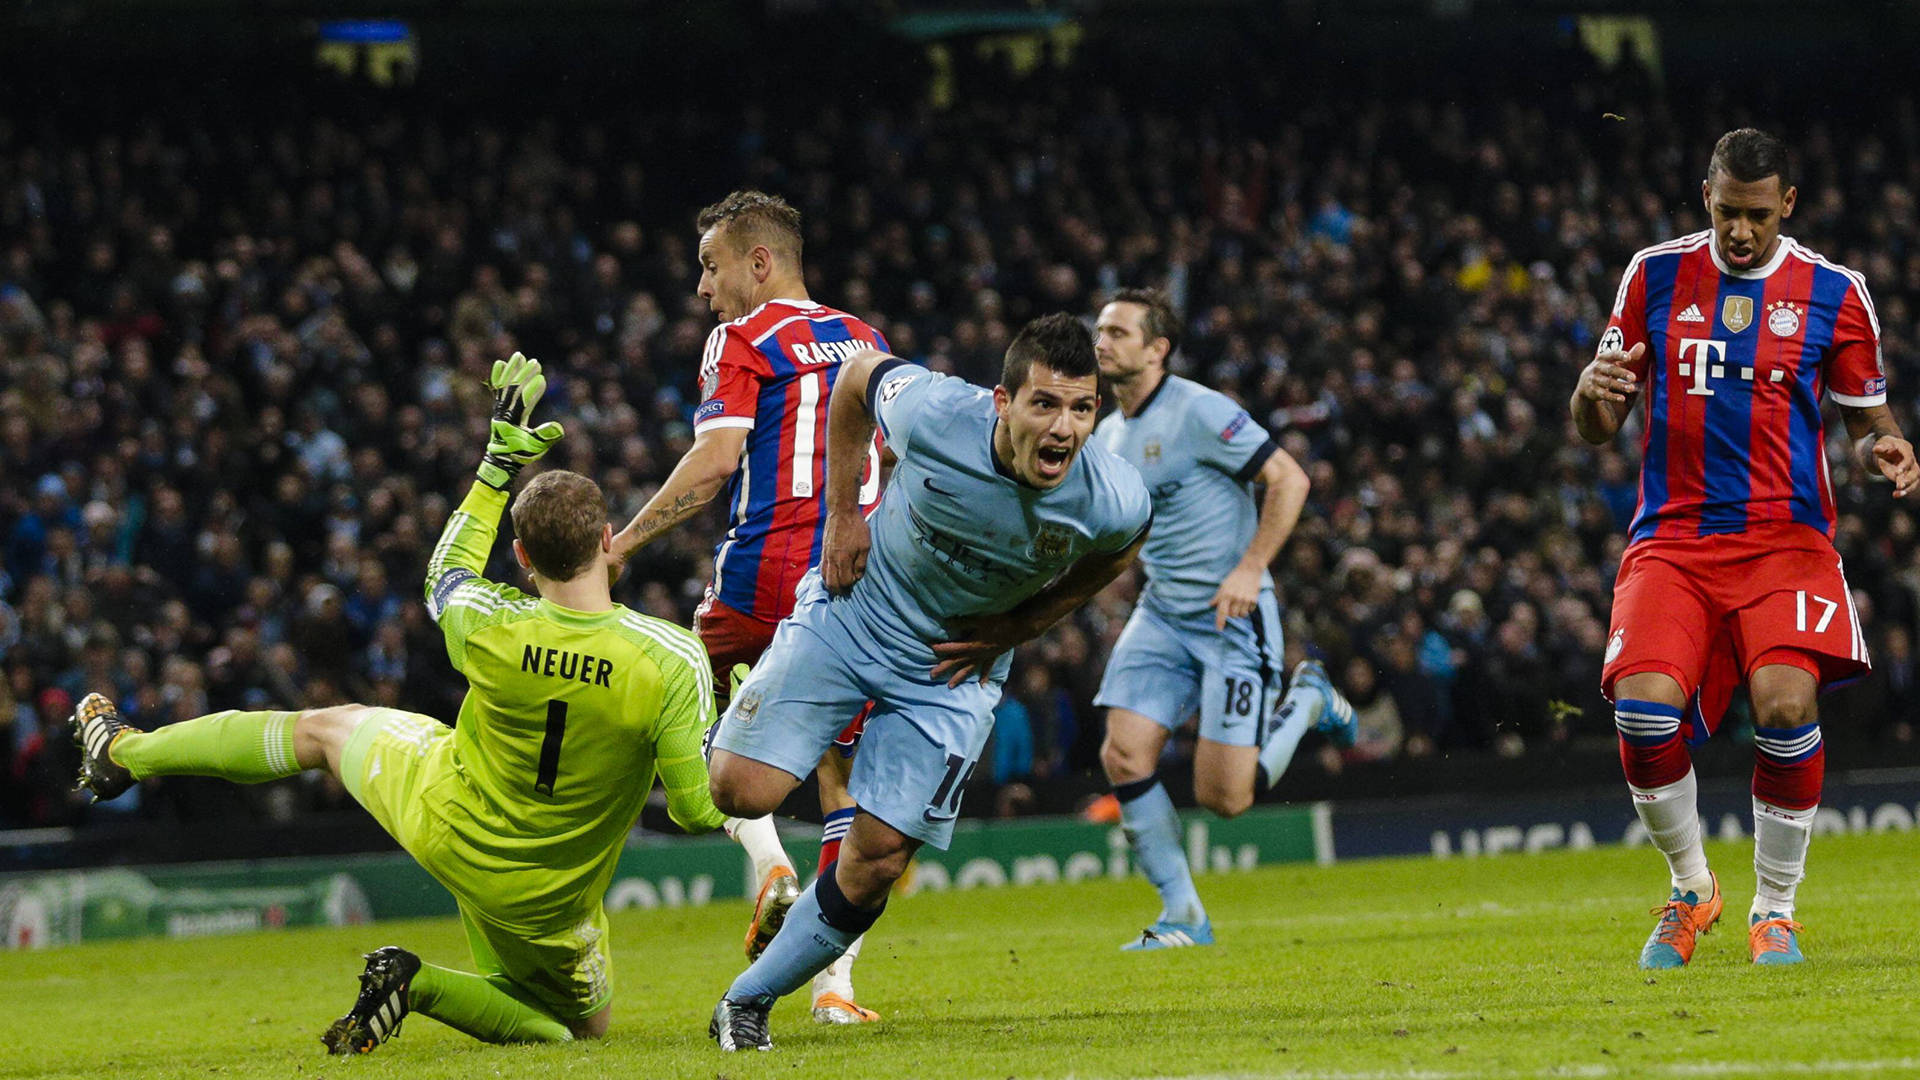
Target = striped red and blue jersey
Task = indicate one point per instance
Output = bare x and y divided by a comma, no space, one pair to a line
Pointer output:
1734,369
772,372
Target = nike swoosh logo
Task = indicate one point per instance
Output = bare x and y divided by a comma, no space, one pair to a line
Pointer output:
938,490
929,817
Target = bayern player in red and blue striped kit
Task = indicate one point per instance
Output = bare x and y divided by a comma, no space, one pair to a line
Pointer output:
776,364
1730,576
760,432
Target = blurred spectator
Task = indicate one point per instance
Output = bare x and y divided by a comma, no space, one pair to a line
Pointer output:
1375,711
236,411
1012,741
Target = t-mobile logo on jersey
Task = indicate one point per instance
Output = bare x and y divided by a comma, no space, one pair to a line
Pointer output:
1701,358
1704,354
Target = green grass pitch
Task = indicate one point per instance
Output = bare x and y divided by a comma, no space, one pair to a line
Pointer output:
1506,967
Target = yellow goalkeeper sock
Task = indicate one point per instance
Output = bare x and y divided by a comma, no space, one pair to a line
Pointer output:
485,1008
244,747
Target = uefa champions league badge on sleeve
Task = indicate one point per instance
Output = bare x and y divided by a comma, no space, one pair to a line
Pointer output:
894,384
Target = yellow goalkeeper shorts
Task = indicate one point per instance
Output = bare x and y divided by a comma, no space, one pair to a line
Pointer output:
398,765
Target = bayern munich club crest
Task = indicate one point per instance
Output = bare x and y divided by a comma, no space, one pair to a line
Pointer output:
1783,318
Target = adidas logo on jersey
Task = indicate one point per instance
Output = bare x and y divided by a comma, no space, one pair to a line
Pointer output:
1692,314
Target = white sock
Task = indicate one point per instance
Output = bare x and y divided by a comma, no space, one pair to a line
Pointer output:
1779,855
762,842
1672,817
1298,712
838,977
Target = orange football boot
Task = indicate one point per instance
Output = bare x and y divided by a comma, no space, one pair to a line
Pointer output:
1683,918
778,891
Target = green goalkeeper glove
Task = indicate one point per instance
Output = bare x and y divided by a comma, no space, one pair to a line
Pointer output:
511,444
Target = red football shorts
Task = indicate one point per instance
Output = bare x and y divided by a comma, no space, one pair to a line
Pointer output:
1711,610
735,637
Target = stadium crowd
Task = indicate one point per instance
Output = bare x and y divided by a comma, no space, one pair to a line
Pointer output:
244,360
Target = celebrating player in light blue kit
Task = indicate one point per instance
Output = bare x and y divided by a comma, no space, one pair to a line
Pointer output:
998,521
1206,632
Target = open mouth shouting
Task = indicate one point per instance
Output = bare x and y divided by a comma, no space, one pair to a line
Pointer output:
1051,461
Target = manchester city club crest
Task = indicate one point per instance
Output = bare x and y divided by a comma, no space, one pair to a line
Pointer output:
744,709
1783,318
1737,313
1052,543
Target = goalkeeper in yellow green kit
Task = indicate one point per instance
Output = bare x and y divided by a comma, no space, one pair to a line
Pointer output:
521,809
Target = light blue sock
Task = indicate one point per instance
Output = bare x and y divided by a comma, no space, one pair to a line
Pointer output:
1298,710
820,927
1153,828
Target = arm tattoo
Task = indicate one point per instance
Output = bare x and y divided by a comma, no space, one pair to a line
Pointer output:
651,526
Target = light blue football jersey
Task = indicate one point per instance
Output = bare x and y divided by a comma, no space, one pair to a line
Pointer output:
1198,453
955,534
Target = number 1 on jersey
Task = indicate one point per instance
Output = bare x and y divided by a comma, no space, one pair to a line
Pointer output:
550,747
806,434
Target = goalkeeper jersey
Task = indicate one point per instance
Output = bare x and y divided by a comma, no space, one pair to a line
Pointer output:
567,716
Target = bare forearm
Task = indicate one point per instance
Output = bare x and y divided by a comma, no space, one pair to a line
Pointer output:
692,485
1865,426
1872,420
1078,585
1279,513
849,434
1596,421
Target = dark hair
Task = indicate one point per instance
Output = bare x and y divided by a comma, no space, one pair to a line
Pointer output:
1160,321
1058,342
559,518
1749,154
754,217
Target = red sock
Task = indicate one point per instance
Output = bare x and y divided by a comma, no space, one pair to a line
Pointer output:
1650,748
1789,765
834,831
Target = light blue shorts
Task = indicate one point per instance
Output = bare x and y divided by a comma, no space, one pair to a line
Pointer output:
1164,669
922,739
